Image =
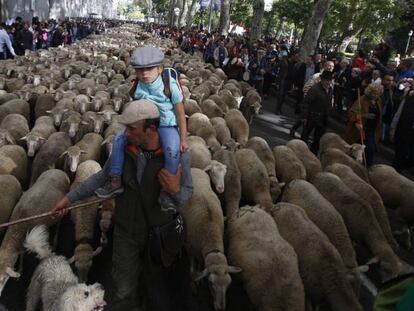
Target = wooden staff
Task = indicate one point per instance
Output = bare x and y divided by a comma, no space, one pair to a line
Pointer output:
361,129
50,213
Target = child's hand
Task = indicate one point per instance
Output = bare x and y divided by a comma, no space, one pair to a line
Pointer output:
183,145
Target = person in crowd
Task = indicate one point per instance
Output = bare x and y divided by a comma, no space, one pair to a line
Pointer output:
359,60
271,71
389,105
304,71
285,78
352,85
58,37
220,54
257,69
5,42
342,75
404,70
210,48
365,121
318,101
137,255
24,39
402,130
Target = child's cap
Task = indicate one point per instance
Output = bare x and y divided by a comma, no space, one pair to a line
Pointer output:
147,56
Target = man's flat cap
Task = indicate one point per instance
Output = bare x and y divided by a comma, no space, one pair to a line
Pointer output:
147,56
139,110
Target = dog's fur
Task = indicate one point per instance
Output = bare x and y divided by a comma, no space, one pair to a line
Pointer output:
54,282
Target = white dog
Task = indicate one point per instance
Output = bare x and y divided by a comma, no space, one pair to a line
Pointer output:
54,282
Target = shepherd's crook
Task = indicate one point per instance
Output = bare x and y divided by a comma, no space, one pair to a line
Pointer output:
74,206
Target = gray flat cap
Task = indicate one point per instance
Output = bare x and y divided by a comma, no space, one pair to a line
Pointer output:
147,56
139,110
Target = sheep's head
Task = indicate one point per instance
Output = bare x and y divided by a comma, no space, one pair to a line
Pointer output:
357,152
97,104
231,145
33,142
6,138
117,102
218,273
98,123
57,114
72,157
217,171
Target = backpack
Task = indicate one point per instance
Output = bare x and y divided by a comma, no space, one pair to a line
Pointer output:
167,75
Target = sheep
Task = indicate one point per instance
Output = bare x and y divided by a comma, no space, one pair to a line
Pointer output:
17,126
107,111
84,220
106,213
396,191
263,151
245,87
100,99
50,186
44,102
332,140
205,228
199,125
217,99
88,148
109,135
321,267
239,128
41,131
11,192
57,114
251,105
360,221
71,124
326,218
269,264
235,91
17,106
49,154
92,122
13,161
227,97
200,92
6,97
81,103
254,178
53,282
232,181
333,155
222,131
191,107
309,160
369,194
288,166
211,109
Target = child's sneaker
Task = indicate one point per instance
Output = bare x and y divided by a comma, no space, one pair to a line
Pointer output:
110,189
167,203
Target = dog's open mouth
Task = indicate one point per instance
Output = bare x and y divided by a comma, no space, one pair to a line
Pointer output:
100,306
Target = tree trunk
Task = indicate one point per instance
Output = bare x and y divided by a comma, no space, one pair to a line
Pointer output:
256,29
171,12
210,15
347,39
191,13
313,28
183,13
279,30
224,17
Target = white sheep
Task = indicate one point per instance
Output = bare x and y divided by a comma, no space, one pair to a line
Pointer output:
263,151
288,166
13,161
239,128
40,132
369,194
333,140
11,192
321,267
49,187
222,131
203,217
84,220
16,106
199,125
269,264
254,178
326,218
211,109
309,160
53,282
191,107
17,126
359,220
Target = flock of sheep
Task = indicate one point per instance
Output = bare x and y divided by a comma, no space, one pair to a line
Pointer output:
293,239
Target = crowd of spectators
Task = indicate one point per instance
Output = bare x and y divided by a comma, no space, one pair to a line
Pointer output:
17,35
379,114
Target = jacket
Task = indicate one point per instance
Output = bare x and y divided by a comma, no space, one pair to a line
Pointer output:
352,134
316,104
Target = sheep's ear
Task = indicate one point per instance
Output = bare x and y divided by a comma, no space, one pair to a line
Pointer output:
361,269
207,168
83,152
282,184
49,111
233,269
201,275
84,123
23,138
63,154
71,260
10,138
373,260
12,273
42,138
346,146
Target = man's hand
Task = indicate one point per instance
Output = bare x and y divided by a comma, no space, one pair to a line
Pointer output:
60,208
358,126
170,182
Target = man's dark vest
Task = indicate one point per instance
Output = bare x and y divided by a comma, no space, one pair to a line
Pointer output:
130,205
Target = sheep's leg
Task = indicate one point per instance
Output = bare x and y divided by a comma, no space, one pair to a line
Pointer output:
21,262
33,294
56,237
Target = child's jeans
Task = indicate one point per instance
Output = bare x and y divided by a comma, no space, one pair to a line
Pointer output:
170,142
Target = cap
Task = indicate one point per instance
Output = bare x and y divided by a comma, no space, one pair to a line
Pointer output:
139,110
147,56
326,75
